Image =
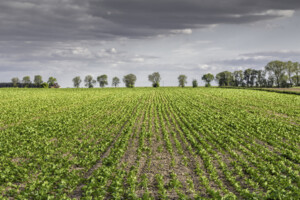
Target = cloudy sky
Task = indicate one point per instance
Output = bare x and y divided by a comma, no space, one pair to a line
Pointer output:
67,38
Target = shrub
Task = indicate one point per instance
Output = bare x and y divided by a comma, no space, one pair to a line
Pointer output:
44,85
155,85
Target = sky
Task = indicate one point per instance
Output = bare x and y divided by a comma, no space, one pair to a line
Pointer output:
68,38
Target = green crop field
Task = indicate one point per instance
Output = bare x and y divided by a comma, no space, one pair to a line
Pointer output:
149,143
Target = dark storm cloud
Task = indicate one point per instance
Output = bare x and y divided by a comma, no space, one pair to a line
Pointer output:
179,14
103,19
65,38
47,20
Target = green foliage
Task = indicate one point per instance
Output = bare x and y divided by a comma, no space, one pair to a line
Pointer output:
102,80
296,80
89,81
155,79
146,143
26,80
225,78
38,80
15,81
277,69
182,79
208,78
155,85
76,81
44,85
129,80
51,81
276,73
238,78
195,83
115,81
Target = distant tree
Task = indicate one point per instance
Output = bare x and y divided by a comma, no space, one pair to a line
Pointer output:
238,78
290,69
155,79
208,78
51,81
129,80
38,80
285,82
102,80
76,81
15,81
296,77
276,69
195,83
225,78
270,81
247,76
182,80
26,80
253,77
89,81
115,81
261,78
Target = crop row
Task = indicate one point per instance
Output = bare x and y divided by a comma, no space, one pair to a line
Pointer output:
149,143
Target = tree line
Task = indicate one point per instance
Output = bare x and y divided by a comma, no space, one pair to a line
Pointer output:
36,83
90,82
276,73
130,79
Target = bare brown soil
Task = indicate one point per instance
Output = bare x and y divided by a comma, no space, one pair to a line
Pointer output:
295,89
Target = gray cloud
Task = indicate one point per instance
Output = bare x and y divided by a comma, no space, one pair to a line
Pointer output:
71,37
37,56
279,55
178,14
259,59
104,19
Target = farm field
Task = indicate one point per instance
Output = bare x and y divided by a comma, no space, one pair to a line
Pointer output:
294,89
149,143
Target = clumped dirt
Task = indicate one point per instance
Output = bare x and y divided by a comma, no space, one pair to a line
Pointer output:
18,160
